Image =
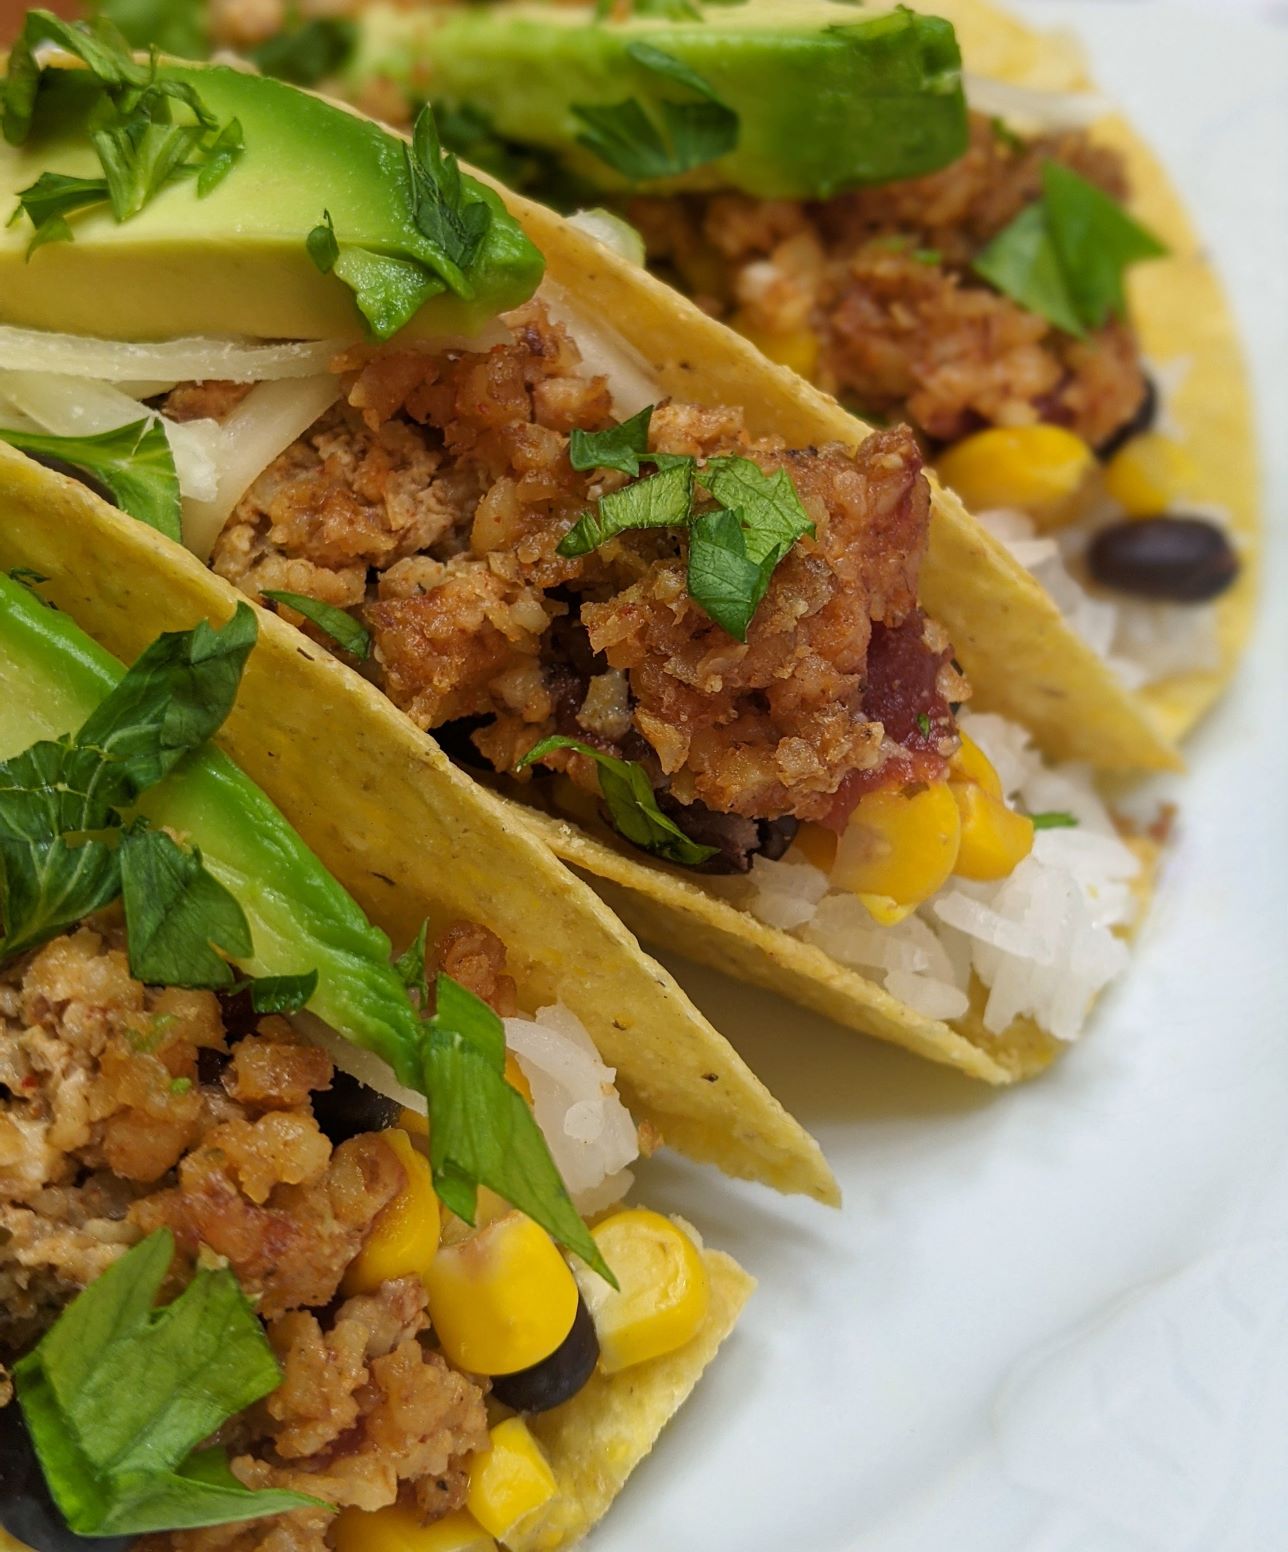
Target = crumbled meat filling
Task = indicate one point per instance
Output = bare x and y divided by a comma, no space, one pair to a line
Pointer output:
432,502
881,276
124,1108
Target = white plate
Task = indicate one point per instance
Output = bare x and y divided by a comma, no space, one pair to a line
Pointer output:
1054,1319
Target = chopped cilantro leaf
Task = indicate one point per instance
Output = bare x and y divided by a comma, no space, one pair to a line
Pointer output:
1054,820
923,724
691,134
321,243
621,447
663,500
632,803
448,213
120,1395
1064,257
308,52
722,577
61,801
278,993
342,628
410,964
133,464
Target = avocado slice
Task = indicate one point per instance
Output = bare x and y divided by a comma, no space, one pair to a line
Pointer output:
52,676
235,261
821,96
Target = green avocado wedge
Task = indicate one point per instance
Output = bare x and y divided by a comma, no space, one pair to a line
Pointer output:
778,98
52,676
233,260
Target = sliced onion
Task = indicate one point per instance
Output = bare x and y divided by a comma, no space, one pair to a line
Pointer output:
173,361
604,352
77,407
1032,108
357,1061
264,424
612,231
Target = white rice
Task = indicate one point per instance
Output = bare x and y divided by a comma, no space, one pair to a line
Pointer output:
1044,941
590,1132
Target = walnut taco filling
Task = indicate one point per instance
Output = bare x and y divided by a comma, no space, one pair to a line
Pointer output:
301,1245
691,627
989,256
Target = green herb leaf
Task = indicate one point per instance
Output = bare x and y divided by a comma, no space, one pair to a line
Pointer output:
52,871
448,213
632,803
722,577
50,200
1065,256
663,500
410,964
58,796
1054,820
772,514
389,291
133,463
177,915
174,698
923,724
623,135
342,628
620,447
322,246
223,155
278,993
481,1131
309,52
118,1395
97,45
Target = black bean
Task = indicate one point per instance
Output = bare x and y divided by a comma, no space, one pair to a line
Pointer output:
349,1108
27,1510
1183,560
776,835
552,1381
59,466
1141,420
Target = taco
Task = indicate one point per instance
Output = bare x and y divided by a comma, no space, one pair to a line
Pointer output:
590,532
954,264
347,1178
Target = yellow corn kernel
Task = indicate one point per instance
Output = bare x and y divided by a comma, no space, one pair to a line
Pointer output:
399,1529
995,839
898,848
1147,475
664,1292
970,763
404,1238
817,844
511,1483
795,348
1037,469
503,1299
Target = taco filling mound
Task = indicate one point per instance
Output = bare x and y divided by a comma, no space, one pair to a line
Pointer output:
263,1284
701,642
987,256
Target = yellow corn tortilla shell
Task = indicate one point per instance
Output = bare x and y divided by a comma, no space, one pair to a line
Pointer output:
597,1439
406,833
1179,309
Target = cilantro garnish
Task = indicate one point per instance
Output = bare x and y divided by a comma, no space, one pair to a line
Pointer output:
342,628
923,724
410,964
62,803
306,52
133,463
142,146
632,803
733,549
120,1395
453,219
278,993
1064,257
622,447
481,1129
691,133
1054,820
